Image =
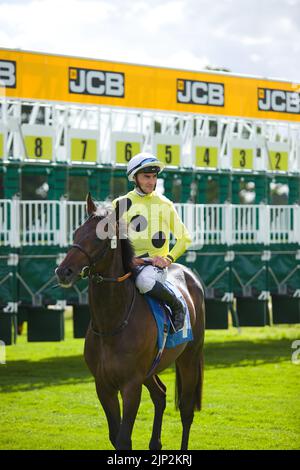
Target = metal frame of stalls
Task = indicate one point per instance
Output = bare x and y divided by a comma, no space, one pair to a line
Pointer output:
213,301
212,265
284,283
293,183
110,120
260,181
33,286
9,295
248,280
251,293
37,244
36,293
245,293
32,289
255,292
2,171
33,293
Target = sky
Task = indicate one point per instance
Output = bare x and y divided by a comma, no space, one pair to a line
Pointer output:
249,37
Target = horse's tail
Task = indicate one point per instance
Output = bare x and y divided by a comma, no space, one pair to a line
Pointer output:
177,387
191,362
199,388
197,398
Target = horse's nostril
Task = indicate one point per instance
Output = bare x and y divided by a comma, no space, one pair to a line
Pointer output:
69,271
63,273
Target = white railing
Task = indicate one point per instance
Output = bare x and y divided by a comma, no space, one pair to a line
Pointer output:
76,214
283,224
39,222
246,224
54,222
214,223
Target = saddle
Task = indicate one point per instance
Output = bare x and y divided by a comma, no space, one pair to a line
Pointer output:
163,315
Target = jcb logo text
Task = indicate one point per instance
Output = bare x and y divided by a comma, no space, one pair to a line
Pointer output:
281,101
96,82
8,73
205,93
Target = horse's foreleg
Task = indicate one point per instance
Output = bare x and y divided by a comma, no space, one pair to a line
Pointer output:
110,403
131,395
157,392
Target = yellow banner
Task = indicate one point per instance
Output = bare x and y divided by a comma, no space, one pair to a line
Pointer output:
36,76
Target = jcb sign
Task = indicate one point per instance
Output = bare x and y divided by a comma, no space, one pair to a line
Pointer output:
205,93
96,82
8,73
281,101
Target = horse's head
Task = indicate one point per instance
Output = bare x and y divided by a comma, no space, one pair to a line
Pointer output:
92,242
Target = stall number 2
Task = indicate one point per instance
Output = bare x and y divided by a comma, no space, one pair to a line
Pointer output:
278,161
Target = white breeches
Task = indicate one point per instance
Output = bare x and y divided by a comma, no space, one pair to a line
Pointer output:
147,277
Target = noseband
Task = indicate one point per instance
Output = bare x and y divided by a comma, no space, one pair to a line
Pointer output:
97,277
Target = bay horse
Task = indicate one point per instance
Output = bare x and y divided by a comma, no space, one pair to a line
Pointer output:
121,341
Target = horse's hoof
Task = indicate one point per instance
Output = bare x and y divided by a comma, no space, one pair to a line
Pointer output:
155,445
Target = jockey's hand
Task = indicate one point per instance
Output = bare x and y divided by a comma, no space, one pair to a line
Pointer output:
156,261
137,261
161,262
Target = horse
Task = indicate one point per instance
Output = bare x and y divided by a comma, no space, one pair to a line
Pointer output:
121,340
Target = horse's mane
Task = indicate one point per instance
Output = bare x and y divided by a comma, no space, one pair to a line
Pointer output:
127,249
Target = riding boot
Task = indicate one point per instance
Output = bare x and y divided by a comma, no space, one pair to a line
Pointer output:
162,292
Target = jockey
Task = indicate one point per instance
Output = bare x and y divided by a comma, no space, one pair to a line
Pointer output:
151,218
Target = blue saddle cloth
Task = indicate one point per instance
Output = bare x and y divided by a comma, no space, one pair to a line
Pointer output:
161,318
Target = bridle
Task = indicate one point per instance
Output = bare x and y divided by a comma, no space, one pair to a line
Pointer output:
94,276
98,278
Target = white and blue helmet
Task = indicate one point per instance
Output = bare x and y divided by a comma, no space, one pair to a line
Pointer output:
143,161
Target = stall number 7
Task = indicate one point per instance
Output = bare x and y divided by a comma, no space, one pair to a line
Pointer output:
84,150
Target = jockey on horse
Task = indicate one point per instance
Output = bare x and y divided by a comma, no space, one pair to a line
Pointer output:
151,218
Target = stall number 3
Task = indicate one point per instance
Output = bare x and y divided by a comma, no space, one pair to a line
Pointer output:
243,158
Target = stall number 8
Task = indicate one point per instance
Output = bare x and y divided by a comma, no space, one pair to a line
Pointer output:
38,147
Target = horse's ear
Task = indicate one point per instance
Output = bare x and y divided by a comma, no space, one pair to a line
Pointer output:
90,205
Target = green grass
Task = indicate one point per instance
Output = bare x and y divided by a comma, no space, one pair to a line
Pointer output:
251,396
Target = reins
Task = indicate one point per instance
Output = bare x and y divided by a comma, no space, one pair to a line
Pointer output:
121,327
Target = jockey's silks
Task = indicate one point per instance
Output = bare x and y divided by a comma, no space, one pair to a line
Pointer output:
151,219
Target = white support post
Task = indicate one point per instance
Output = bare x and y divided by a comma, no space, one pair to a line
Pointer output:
228,229
296,217
264,224
63,222
14,235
